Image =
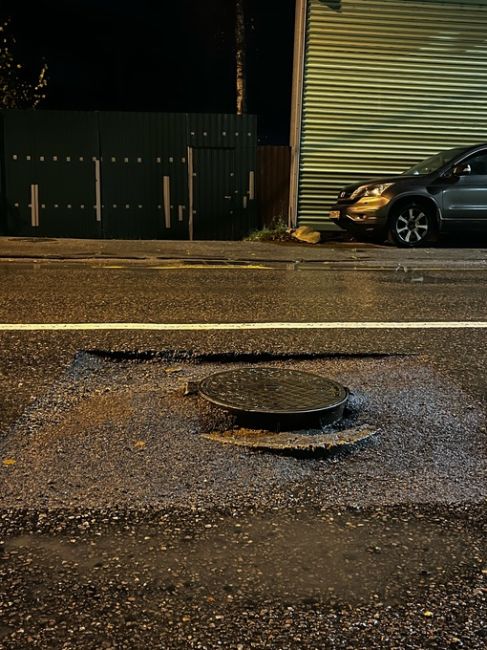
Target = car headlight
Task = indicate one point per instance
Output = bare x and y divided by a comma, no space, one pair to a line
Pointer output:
370,190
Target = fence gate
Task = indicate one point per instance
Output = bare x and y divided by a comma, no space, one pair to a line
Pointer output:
215,194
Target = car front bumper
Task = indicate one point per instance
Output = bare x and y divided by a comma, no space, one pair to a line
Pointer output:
368,214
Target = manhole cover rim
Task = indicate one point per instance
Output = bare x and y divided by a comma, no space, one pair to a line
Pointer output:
340,401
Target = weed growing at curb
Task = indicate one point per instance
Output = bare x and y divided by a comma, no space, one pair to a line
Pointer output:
277,231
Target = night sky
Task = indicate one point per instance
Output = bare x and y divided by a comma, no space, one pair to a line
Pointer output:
156,55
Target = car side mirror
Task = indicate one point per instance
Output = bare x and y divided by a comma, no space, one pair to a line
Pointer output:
463,169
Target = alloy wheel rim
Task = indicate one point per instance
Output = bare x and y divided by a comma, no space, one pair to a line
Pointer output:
412,225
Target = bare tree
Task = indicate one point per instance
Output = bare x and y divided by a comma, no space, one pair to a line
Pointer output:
240,57
16,89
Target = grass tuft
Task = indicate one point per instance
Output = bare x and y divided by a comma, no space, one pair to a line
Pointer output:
277,231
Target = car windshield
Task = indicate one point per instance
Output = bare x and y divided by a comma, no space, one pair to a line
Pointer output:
431,165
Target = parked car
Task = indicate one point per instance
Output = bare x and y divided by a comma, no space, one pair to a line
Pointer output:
444,193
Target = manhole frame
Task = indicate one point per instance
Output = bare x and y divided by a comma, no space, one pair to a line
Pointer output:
329,412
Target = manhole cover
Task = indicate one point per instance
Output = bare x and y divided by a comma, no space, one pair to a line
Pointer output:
275,392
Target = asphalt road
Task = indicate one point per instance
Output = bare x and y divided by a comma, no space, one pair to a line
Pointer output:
122,527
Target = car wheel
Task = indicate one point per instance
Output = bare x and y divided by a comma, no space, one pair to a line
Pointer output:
412,225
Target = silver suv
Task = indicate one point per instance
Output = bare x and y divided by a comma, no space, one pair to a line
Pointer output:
444,193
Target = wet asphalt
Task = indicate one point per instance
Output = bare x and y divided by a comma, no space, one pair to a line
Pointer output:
121,527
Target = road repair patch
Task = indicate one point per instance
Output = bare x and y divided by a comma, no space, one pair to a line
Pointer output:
305,441
123,432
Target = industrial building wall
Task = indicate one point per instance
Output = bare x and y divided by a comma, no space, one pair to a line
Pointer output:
127,175
386,83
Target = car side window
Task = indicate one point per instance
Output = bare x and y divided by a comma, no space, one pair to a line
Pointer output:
478,164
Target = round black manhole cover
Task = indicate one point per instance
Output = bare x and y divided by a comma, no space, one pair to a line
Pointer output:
275,392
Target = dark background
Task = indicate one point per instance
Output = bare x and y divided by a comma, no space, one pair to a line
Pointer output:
155,55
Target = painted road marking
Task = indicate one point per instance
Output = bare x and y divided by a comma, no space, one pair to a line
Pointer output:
177,327
182,267
224,267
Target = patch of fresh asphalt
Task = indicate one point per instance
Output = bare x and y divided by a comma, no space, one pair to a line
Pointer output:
305,571
110,433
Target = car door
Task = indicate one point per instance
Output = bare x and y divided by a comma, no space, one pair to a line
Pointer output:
464,197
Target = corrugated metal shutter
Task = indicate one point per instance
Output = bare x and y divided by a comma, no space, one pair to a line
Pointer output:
387,83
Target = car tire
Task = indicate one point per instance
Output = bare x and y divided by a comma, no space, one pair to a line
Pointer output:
412,224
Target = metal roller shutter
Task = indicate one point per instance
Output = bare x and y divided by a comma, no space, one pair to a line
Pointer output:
386,83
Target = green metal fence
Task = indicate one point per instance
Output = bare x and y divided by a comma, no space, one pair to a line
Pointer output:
127,175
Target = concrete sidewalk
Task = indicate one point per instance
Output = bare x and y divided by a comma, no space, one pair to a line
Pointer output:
341,254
